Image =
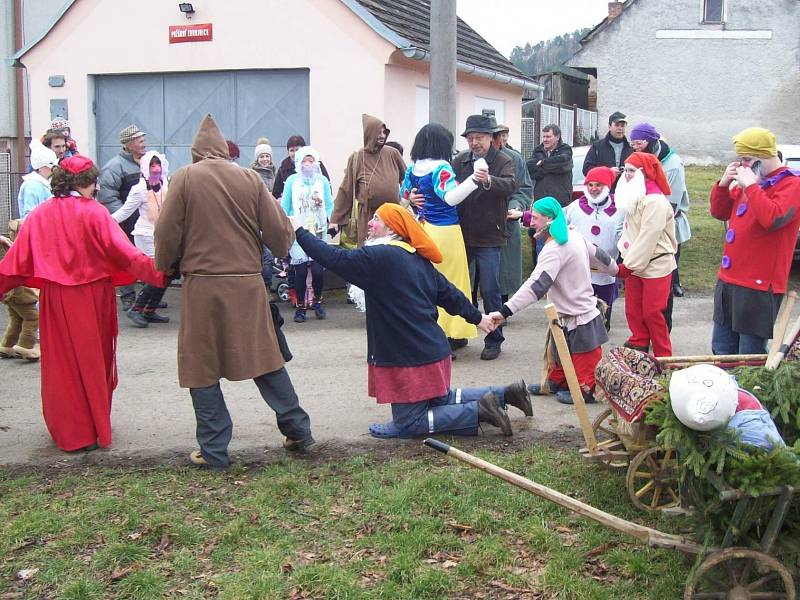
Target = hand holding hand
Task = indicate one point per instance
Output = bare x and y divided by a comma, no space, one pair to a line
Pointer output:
745,176
416,198
623,271
730,174
487,324
497,317
481,175
295,223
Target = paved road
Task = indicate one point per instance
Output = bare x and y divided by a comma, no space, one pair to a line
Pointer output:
153,418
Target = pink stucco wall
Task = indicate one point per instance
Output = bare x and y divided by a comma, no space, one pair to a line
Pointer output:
350,70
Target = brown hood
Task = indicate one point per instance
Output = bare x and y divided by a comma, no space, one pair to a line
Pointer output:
209,141
372,129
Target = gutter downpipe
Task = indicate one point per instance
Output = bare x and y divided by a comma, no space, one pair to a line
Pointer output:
20,89
415,53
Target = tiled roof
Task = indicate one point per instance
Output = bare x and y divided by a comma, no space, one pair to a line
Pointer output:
411,20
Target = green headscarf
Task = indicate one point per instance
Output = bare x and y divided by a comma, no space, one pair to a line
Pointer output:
549,207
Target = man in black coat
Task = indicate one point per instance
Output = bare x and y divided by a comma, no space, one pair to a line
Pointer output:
483,214
611,150
550,167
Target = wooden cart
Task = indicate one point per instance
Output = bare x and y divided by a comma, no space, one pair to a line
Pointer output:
629,381
729,572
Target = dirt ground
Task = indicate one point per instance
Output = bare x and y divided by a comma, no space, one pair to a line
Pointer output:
153,420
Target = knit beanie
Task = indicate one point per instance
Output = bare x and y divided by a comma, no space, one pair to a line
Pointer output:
262,149
756,142
549,207
42,156
646,132
602,175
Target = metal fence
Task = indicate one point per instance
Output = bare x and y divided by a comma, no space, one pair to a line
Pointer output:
528,136
578,126
9,189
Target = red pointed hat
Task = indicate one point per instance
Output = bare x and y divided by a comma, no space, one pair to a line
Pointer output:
603,175
652,169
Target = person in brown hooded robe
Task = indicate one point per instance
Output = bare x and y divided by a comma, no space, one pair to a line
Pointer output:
215,219
372,177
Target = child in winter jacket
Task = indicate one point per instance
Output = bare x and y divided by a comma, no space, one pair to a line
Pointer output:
19,339
307,196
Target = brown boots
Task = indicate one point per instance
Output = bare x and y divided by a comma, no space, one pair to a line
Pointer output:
489,412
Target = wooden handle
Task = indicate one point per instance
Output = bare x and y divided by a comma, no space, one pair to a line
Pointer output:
781,323
572,378
651,537
788,340
710,358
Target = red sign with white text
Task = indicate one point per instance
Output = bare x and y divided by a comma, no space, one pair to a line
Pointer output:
201,32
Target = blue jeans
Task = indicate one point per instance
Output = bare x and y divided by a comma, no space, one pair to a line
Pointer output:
487,261
214,424
455,413
726,341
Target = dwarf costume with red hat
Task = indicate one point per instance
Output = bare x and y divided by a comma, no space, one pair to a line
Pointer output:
600,222
648,247
408,354
75,253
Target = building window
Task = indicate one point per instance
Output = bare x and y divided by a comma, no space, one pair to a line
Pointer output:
713,11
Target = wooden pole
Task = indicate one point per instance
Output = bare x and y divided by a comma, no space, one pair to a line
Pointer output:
652,537
781,323
787,342
572,378
710,358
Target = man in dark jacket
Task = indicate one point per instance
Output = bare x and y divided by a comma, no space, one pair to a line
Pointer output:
550,167
611,150
483,214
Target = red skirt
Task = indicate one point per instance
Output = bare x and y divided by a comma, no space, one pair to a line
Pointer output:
78,331
404,385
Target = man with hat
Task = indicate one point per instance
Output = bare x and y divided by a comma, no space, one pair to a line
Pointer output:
612,149
117,178
226,328
408,356
35,187
483,214
647,246
597,218
760,200
562,274
645,138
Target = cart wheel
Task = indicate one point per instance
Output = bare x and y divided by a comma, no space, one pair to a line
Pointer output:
283,292
605,432
652,481
740,574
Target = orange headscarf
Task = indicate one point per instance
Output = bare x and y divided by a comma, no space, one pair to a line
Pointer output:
652,169
403,224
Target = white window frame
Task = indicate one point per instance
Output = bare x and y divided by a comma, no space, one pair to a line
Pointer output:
723,15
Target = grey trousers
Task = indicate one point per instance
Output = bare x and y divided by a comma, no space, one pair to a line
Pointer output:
214,424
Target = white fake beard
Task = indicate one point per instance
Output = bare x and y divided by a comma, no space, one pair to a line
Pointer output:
601,197
628,193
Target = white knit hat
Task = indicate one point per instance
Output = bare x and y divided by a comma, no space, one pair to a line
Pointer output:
263,149
42,156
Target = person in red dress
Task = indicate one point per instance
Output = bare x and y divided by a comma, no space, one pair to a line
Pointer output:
75,253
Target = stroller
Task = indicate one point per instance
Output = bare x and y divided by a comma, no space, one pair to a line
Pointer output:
280,279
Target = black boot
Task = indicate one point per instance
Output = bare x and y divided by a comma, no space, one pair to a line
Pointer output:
517,396
489,412
151,316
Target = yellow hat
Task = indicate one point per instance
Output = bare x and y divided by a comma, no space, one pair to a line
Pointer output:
757,142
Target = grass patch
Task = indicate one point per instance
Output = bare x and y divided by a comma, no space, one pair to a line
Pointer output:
358,528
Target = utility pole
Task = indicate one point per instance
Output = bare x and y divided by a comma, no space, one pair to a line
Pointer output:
442,86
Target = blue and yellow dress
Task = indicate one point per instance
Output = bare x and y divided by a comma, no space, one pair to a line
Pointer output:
433,179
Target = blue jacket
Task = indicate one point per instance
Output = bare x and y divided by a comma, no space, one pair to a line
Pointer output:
402,290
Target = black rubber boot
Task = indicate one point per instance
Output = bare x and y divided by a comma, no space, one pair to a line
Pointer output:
489,412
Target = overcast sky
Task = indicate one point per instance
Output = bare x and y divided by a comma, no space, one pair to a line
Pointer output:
508,23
